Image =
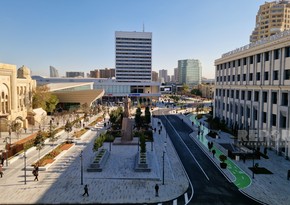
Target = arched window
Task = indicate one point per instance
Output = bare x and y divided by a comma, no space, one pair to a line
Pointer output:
4,103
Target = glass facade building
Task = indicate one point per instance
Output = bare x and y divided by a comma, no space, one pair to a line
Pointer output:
189,71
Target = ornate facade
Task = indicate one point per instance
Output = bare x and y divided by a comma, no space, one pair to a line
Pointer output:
16,88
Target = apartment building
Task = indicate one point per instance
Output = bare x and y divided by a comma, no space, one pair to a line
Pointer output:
133,60
253,88
272,17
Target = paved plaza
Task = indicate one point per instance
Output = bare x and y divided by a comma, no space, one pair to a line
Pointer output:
117,183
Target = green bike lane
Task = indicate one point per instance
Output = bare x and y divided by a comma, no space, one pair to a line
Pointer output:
242,180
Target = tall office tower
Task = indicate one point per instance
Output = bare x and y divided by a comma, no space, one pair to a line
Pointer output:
154,76
175,75
73,74
107,73
53,72
189,71
273,17
163,75
133,56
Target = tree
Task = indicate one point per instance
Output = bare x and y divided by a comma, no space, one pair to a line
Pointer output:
185,88
39,142
142,143
147,115
138,117
43,98
196,92
68,128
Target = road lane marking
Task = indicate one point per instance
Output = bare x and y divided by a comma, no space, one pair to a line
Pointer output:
189,151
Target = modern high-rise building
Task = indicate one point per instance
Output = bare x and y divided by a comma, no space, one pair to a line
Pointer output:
154,76
53,72
73,74
189,71
133,60
273,17
175,75
252,90
163,76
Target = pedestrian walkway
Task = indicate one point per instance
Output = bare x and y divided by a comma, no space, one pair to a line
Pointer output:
117,183
268,188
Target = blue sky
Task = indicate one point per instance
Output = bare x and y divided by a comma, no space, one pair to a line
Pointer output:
78,35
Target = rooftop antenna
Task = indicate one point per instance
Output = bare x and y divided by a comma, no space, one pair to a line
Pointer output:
143,27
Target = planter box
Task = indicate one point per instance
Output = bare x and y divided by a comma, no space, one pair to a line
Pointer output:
141,162
99,161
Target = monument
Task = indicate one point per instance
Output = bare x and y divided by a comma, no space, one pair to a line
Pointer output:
127,122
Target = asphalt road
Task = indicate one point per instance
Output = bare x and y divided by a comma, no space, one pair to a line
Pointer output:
209,184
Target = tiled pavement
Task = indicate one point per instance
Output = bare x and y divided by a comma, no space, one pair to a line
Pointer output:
117,183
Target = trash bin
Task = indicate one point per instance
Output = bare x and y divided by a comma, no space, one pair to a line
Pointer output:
237,158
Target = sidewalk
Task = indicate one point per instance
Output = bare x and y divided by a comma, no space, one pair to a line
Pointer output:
268,188
117,183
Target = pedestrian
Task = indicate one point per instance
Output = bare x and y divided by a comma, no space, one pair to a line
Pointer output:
86,189
213,152
1,170
35,173
156,189
2,160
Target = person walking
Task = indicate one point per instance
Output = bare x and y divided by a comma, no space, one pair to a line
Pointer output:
156,190
86,189
1,170
35,173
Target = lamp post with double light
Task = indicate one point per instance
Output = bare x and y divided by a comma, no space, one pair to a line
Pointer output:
163,159
82,174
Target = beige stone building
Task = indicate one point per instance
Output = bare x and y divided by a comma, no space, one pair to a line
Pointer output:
207,90
253,89
272,17
16,88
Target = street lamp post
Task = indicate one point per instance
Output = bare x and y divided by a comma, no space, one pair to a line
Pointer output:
163,157
81,155
24,156
253,169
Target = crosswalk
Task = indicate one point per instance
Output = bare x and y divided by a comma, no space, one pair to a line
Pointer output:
181,200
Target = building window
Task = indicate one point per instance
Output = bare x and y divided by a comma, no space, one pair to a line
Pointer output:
233,78
264,117
242,111
267,56
244,77
251,59
284,101
234,63
274,97
255,113
249,95
232,93
276,54
256,96
239,62
286,74
258,58
283,121
238,77
265,96
228,93
273,120
243,95
237,94
229,78
287,51
258,76
266,75
275,74
244,61
251,77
